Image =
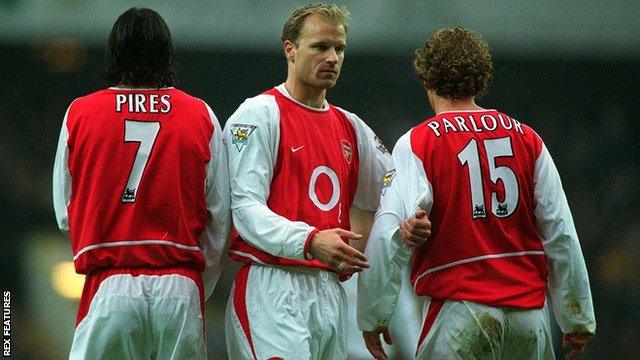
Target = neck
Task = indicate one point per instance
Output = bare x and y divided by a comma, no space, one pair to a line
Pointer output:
440,104
305,94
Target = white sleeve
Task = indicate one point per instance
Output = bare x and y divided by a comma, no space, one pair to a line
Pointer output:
214,238
405,189
62,178
375,161
252,135
568,279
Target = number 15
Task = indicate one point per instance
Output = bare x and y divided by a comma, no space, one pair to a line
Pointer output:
494,148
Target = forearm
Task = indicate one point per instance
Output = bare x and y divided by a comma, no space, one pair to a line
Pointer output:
270,232
379,286
569,285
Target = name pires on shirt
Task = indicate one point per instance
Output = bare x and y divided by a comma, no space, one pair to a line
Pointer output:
144,103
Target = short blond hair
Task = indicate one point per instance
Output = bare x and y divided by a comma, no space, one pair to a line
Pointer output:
295,21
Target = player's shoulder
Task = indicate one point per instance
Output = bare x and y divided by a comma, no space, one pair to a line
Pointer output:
344,111
182,95
403,144
365,135
259,109
87,105
421,139
90,99
422,125
262,101
353,117
421,130
182,98
520,127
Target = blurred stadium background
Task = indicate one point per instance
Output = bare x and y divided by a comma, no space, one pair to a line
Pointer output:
567,68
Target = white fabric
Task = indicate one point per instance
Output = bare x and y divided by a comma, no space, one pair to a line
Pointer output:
62,177
385,249
214,239
287,318
404,326
568,279
142,317
465,330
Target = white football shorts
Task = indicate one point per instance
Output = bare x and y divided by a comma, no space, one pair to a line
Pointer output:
286,313
142,317
468,330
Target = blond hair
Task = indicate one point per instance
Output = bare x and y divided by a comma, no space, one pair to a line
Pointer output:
295,21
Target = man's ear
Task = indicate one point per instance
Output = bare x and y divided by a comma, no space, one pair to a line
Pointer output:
289,50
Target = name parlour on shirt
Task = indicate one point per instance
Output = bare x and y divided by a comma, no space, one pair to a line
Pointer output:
471,123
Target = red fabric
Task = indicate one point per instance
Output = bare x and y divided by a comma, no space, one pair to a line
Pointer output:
435,305
94,279
240,303
518,281
493,282
324,138
170,204
307,245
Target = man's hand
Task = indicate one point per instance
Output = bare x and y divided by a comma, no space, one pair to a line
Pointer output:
576,343
374,345
329,247
416,230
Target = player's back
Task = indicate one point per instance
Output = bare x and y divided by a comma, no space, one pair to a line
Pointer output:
137,162
484,245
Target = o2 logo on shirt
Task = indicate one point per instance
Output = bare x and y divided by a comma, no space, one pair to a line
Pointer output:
335,190
335,184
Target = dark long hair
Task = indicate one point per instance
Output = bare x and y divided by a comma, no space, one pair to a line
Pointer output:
139,51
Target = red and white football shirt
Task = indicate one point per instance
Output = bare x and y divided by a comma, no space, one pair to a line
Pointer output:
501,226
295,170
140,180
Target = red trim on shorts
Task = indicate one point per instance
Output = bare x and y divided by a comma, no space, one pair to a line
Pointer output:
432,312
240,303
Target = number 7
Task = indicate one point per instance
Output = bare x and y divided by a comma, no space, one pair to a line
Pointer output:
144,132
